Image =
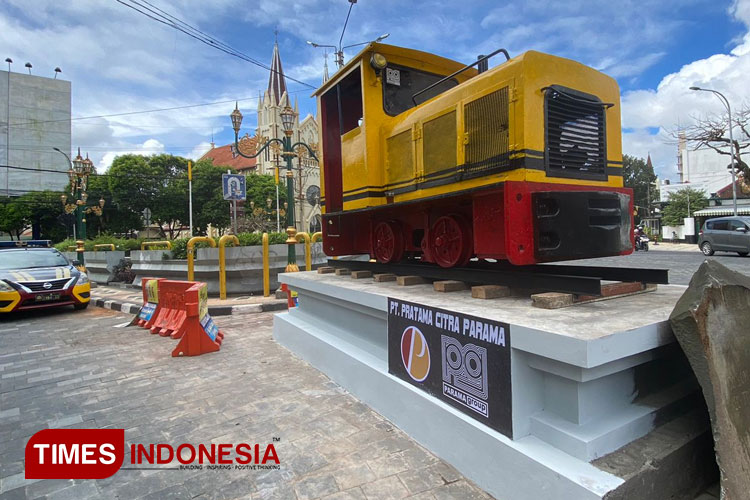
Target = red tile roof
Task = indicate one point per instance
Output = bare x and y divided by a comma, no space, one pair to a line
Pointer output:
743,189
223,156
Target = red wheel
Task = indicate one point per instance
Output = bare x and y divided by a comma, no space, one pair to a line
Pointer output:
451,241
388,242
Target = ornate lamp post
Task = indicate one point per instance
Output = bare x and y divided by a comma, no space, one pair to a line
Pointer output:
79,172
289,151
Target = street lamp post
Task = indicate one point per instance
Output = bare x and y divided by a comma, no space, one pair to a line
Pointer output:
725,101
78,173
339,51
288,152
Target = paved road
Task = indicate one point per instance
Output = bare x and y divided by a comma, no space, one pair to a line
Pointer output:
79,370
682,265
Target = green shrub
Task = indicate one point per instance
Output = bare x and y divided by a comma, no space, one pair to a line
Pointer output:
126,244
179,245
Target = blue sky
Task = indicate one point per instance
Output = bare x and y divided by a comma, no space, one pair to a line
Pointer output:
121,61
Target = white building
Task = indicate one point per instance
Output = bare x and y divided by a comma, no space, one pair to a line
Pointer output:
703,169
34,118
306,172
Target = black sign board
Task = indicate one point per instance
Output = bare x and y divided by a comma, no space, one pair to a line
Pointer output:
460,359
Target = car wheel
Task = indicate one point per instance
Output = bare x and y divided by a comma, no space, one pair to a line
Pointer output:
743,254
80,307
707,249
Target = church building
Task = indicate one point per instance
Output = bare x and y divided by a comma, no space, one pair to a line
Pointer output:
306,171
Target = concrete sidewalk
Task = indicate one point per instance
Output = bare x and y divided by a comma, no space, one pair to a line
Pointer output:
130,300
674,247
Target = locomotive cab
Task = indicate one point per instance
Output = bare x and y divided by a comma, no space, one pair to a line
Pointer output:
425,158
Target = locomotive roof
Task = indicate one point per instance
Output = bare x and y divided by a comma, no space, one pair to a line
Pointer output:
425,60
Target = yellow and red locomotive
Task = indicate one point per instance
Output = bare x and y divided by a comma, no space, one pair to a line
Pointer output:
426,158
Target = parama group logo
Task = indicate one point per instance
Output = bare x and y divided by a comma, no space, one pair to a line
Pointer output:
100,453
415,354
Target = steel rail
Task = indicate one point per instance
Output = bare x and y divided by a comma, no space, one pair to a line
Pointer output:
640,274
579,280
531,280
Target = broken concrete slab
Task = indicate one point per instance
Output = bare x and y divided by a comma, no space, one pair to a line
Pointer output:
712,324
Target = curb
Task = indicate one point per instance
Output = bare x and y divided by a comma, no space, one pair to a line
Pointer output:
129,308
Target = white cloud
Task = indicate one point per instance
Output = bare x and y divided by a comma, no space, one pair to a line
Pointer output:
119,60
148,148
672,103
199,150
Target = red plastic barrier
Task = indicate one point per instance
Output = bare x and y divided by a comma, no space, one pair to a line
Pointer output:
291,296
174,314
180,309
152,306
197,331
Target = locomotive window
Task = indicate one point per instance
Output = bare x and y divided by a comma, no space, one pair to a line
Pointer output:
400,83
350,101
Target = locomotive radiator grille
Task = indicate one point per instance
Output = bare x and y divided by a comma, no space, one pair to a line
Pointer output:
486,127
439,144
575,142
400,167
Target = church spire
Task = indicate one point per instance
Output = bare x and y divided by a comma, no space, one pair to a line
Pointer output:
276,82
325,68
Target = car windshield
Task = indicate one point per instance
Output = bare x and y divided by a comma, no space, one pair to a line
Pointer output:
24,259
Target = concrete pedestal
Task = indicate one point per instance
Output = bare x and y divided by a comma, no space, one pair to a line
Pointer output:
586,380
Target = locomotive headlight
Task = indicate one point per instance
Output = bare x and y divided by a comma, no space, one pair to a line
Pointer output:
378,61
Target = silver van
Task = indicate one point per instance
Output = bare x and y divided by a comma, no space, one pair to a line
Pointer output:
728,234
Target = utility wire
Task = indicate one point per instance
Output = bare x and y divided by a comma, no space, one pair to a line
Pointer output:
181,175
126,113
162,17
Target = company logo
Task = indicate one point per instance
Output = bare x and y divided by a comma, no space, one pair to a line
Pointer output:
415,354
47,285
465,374
74,453
99,453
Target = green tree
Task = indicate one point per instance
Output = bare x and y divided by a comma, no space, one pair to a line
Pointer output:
683,203
261,188
13,217
639,175
43,209
209,206
133,185
170,208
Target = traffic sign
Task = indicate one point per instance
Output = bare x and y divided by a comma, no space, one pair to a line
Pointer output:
234,186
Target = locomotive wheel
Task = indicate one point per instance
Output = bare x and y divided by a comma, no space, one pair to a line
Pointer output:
451,241
388,242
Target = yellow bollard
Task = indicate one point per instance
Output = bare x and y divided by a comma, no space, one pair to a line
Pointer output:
266,270
167,244
190,257
319,237
308,257
223,263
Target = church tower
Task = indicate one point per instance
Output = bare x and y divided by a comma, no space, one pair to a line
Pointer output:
306,173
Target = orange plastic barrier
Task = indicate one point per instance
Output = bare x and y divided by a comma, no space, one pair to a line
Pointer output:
197,332
151,307
179,309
